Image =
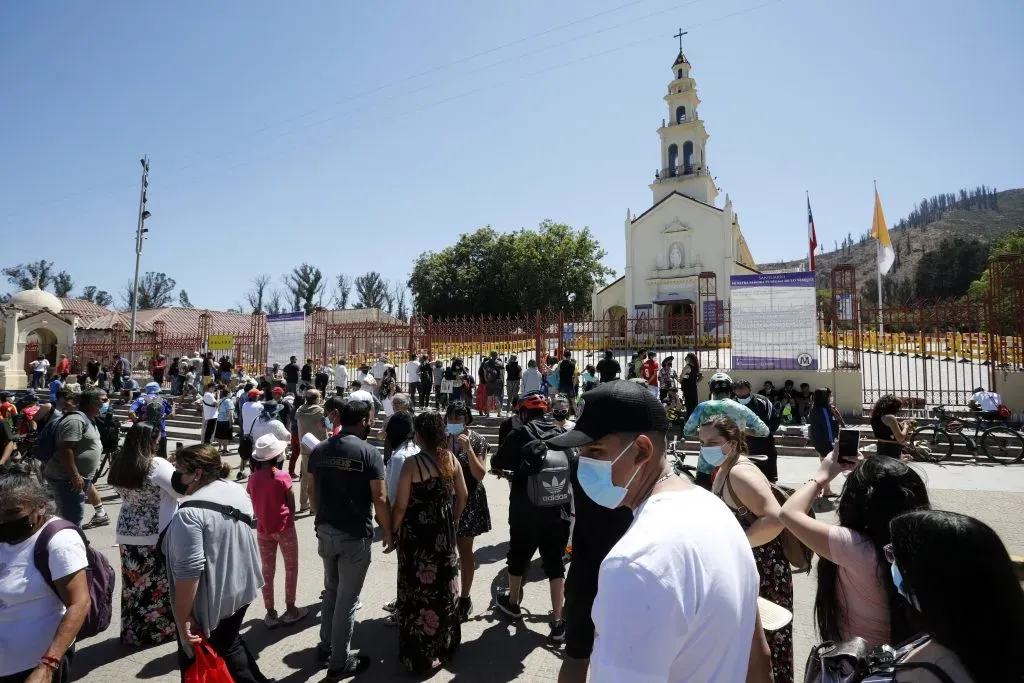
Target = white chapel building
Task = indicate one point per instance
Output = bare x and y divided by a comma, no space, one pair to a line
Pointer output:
681,251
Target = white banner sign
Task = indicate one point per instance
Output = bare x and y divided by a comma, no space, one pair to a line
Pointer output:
286,337
774,322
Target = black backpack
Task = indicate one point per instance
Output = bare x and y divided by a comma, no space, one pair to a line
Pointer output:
153,411
426,373
110,431
548,484
491,372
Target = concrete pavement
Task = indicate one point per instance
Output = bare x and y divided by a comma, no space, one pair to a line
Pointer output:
493,650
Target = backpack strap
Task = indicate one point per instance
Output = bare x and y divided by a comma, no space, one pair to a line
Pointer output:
933,669
226,510
41,551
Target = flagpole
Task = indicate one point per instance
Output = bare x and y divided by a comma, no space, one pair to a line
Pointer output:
810,253
878,268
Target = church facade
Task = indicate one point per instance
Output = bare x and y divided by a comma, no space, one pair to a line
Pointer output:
681,252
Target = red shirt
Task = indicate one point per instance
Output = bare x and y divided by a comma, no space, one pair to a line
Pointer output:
64,366
267,488
649,371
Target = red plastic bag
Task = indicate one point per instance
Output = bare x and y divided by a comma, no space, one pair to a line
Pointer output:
208,666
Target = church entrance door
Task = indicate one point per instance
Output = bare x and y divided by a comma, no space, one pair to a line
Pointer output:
679,319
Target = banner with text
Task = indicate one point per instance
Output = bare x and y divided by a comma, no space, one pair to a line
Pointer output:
220,342
286,337
774,322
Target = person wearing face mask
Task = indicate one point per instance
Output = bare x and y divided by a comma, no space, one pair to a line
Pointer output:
348,474
974,633
747,492
76,456
532,528
560,412
470,449
149,489
677,594
721,403
39,623
761,445
213,562
310,420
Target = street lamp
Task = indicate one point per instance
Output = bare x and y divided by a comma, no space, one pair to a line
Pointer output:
140,235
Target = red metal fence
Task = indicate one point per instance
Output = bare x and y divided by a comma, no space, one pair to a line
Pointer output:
929,353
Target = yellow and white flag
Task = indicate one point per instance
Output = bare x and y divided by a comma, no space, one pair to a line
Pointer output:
886,256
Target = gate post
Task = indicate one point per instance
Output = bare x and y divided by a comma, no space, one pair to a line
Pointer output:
561,334
537,330
429,340
412,334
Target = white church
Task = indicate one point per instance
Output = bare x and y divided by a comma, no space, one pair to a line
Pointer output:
681,252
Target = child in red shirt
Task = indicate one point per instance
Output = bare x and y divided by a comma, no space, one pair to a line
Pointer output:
273,501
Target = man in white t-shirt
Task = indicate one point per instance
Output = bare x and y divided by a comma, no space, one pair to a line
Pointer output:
340,377
209,412
378,369
412,376
677,595
987,401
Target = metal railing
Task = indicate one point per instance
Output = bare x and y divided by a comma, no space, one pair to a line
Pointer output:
680,172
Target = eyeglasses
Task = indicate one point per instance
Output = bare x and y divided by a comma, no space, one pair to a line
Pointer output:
890,556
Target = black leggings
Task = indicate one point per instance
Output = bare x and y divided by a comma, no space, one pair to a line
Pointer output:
226,642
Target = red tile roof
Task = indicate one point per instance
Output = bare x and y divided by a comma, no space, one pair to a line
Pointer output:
83,308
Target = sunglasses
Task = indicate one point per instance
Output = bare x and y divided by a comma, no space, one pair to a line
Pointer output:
890,556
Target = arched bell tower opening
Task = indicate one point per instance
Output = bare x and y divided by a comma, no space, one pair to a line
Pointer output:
680,113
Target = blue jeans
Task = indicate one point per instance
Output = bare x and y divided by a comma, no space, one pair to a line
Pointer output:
70,503
346,560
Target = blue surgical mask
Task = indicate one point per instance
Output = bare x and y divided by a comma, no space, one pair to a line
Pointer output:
596,479
328,424
897,580
713,455
104,408
455,429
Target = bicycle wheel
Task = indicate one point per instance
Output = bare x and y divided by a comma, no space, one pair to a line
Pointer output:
935,445
1003,445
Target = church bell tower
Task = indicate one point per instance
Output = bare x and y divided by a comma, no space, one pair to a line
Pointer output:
684,167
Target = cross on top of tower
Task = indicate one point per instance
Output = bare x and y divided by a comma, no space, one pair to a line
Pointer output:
680,37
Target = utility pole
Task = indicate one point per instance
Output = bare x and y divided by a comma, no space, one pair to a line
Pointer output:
140,235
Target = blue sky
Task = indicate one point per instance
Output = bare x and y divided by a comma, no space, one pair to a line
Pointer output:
356,136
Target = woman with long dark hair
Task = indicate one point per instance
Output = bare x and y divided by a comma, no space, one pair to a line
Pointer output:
688,379
957,576
470,448
890,433
430,500
855,596
145,482
743,487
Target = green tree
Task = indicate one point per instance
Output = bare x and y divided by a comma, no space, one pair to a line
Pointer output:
1010,244
258,293
342,291
551,268
183,300
156,290
100,297
372,292
306,287
63,284
39,274
947,270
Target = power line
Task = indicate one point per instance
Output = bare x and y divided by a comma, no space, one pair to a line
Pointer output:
461,95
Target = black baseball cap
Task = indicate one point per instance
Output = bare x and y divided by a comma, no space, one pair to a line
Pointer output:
612,408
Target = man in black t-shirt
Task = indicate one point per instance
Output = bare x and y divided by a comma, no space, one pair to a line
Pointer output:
348,475
608,368
513,378
291,376
567,377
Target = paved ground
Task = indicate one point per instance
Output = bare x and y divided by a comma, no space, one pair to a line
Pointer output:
492,651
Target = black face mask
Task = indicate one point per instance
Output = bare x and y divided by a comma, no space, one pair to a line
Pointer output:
177,484
366,433
560,414
16,530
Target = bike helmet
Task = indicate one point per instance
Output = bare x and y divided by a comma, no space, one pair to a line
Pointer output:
720,383
533,401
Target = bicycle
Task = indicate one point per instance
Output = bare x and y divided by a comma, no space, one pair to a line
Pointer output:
999,443
677,458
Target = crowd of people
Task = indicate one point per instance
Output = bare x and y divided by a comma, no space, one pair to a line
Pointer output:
668,579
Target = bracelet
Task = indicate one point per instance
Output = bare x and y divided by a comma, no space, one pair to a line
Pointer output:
52,662
821,487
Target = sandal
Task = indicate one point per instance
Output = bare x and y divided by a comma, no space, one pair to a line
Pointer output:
294,615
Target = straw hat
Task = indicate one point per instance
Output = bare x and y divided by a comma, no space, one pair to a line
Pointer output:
773,617
268,447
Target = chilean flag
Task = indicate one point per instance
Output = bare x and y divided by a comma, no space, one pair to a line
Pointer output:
812,239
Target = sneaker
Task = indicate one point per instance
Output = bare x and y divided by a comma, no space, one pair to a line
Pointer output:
271,620
391,621
359,603
465,608
293,615
356,664
505,605
392,606
98,519
557,634
241,474
323,654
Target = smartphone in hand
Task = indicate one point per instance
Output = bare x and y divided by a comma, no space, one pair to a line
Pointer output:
849,445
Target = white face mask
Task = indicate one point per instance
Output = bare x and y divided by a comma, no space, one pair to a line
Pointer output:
745,400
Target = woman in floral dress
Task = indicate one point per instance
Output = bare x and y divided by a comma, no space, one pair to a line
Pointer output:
145,483
470,449
431,497
747,492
